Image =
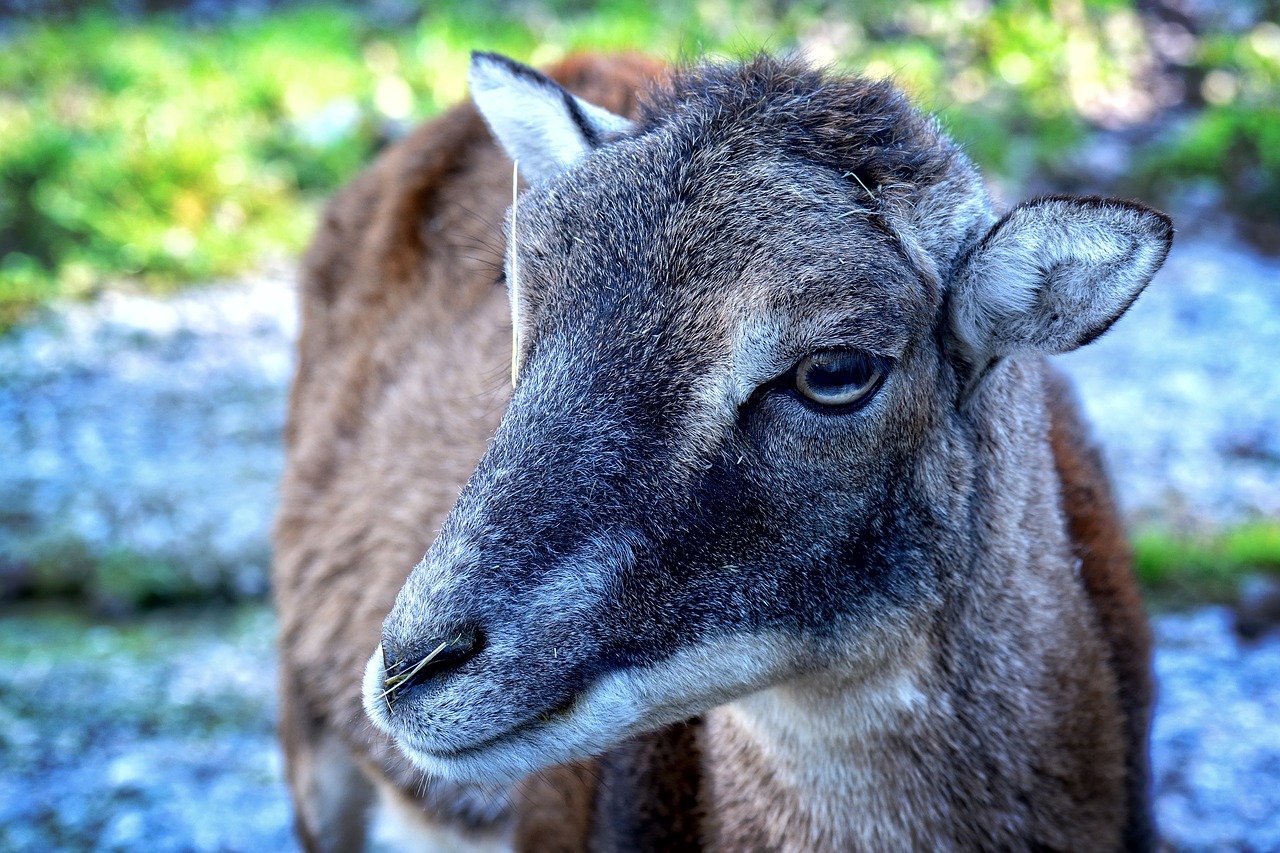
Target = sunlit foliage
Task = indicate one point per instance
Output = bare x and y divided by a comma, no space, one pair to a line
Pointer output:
156,151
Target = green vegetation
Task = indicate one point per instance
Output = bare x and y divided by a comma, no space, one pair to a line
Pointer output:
62,566
156,152
52,636
1178,567
1232,141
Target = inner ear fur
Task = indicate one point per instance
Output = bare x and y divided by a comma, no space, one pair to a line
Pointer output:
1053,275
543,127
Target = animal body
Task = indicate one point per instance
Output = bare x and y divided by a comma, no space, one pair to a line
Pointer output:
787,538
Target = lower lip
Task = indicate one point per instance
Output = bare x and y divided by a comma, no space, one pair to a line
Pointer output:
465,752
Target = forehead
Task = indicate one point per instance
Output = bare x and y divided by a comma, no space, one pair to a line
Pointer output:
724,234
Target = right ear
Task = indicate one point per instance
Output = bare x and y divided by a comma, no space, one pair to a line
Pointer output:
1054,274
543,127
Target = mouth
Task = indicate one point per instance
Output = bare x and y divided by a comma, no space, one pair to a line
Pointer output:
530,744
520,731
454,739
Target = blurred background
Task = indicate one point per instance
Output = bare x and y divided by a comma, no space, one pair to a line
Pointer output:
163,163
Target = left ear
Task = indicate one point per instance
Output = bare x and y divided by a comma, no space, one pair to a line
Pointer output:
544,128
1054,274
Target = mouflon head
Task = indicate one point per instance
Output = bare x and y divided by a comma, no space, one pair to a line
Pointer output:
752,329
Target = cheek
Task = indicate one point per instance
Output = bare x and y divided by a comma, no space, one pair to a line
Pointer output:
810,460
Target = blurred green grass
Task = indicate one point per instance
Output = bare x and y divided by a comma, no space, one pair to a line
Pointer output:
155,151
1178,567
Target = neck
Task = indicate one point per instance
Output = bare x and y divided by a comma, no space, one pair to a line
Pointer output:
952,741
806,765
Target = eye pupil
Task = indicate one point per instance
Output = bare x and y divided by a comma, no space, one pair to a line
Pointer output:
837,377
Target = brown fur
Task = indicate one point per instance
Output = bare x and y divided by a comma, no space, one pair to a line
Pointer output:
388,419
399,279
1106,569
554,808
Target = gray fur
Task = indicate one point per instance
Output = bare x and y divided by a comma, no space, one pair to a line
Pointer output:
662,525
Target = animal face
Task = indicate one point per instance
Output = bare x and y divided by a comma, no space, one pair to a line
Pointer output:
737,450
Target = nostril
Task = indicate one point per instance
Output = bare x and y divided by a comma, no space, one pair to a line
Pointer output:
408,666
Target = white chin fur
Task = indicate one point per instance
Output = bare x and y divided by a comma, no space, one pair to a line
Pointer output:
588,729
369,692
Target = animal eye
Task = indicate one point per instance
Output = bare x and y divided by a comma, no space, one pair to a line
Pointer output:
838,377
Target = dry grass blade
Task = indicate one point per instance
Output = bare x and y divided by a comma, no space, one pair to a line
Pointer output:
515,278
858,178
392,683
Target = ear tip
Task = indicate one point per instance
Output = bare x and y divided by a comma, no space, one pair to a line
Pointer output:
1158,223
493,70
488,57
485,66
1164,225
1155,222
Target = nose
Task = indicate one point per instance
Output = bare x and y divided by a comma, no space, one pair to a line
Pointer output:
407,665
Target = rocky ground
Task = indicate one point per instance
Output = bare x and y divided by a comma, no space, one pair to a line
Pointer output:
153,735
143,435
140,447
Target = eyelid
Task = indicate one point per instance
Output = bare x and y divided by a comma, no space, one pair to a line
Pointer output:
837,341
769,347
785,380
882,363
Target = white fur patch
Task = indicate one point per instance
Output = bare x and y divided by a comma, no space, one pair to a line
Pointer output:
822,738
809,724
400,826
528,114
